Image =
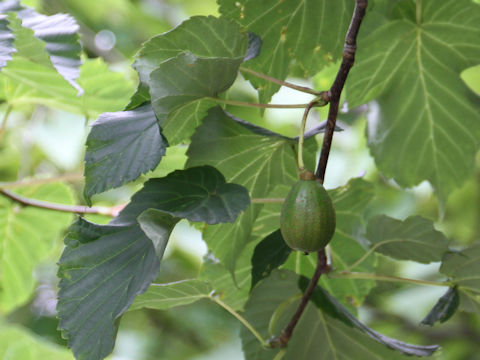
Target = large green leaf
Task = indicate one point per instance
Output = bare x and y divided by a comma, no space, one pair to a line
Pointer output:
203,36
102,269
187,79
6,41
17,343
120,147
349,202
27,235
291,30
197,59
463,268
165,296
413,239
428,126
328,331
257,162
197,194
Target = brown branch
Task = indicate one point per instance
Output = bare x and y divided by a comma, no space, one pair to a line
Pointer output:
334,99
77,209
336,90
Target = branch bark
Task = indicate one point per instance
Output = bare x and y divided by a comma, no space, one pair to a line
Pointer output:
77,209
334,94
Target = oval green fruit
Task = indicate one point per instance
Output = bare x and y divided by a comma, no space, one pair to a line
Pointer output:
307,221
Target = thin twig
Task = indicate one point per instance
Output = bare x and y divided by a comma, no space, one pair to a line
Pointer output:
77,209
267,200
334,99
336,90
280,82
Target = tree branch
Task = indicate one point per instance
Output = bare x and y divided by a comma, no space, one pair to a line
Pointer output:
334,94
349,50
102,210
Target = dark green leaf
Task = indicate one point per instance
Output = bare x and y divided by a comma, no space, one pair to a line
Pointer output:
120,147
429,124
269,254
350,202
6,41
102,269
185,79
197,59
463,267
444,308
291,30
330,330
197,194
412,239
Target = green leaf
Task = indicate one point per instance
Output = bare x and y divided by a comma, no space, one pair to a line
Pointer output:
463,268
412,239
291,31
203,36
444,309
6,41
27,236
120,147
197,194
30,77
102,269
197,59
165,296
18,343
329,330
471,77
428,124
59,33
104,90
349,202
269,254
186,79
256,162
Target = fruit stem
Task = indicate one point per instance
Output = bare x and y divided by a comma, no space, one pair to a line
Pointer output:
301,139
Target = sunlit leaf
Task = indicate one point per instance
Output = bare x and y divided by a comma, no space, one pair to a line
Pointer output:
27,235
18,343
428,123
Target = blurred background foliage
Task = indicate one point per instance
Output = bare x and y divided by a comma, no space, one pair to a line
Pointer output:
46,141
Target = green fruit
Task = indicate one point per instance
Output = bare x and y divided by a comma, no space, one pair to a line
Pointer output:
307,221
